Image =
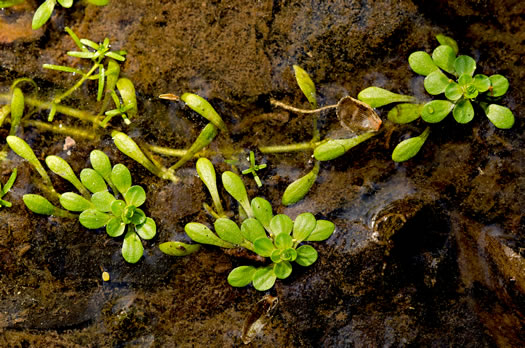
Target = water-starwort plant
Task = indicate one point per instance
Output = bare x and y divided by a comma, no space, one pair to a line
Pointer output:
450,75
277,239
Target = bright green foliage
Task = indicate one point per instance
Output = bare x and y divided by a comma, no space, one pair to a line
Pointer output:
9,3
17,109
408,148
278,237
334,148
6,188
45,10
377,97
306,85
254,168
300,187
202,107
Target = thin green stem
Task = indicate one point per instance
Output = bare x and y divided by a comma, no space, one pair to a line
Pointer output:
58,99
288,148
72,131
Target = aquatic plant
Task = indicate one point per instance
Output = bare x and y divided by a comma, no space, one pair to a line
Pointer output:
98,205
254,168
7,186
449,75
278,237
45,10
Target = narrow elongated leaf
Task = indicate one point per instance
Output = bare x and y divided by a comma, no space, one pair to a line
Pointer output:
444,57
306,85
202,234
405,113
125,144
132,249
179,249
306,255
22,149
241,276
465,65
147,230
262,210
264,278
463,111
282,270
59,166
337,147
206,173
436,110
75,202
281,223
42,14
377,97
205,137
92,180
135,195
112,74
235,187
121,178
38,204
93,219
300,187
17,109
251,229
9,3
500,116
101,80
303,225
421,63
202,107
323,230
446,40
127,92
436,82
499,84
408,148
9,183
228,230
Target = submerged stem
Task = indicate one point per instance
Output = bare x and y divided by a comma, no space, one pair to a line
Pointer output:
288,148
300,111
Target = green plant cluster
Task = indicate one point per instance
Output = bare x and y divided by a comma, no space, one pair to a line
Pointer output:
97,203
450,75
271,236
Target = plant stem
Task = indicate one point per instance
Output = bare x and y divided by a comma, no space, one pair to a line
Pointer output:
58,99
300,111
288,148
72,131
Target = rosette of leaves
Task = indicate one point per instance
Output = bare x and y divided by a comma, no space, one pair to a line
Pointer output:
450,75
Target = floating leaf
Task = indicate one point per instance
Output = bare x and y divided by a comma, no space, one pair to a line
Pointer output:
465,65
38,204
147,230
228,230
408,148
202,234
376,97
264,278
241,276
405,113
357,116
422,63
281,223
92,180
251,229
262,210
180,249
93,219
303,225
75,202
103,201
300,187
42,14
282,270
323,230
306,255
334,148
463,111
436,110
132,249
135,196
202,107
235,187
446,40
444,57
436,82
121,178
500,116
499,84
115,227
306,85
263,246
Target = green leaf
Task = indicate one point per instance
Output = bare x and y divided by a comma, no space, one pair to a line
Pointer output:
303,225
82,55
127,92
408,148
500,85
117,207
9,3
98,2
121,178
436,110
444,57
251,229
421,63
92,180
500,116
323,230
263,247
66,3
288,254
205,137
300,187
115,227
276,255
465,80
446,40
202,234
22,149
127,146
453,91
241,276
178,248
38,204
203,108
376,97
281,223
283,241
436,82
93,219
103,201
228,230
262,210
135,195
115,56
306,255
282,270
90,43
100,162
101,80
264,278
112,74
463,111
235,187
60,167
481,82
465,65
9,183
334,148
306,85
132,249
75,202
17,109
405,113
42,13
63,68
206,173
138,217
147,230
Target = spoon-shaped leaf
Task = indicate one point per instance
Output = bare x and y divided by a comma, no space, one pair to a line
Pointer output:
117,207
38,204
75,202
100,162
436,110
306,85
262,210
228,230
300,187
306,255
481,82
465,65
405,113
179,249
66,3
202,107
147,230
132,249
138,217
281,223
92,180
282,270
283,241
264,278
251,229
421,63
115,227
121,178
500,116
135,195
499,84
42,13
436,82
446,40
263,246
22,149
334,148
323,230
202,234
463,111
102,201
235,187
204,139
241,276
377,97
453,91
60,167
303,225
444,57
206,173
127,92
17,109
408,148
93,219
